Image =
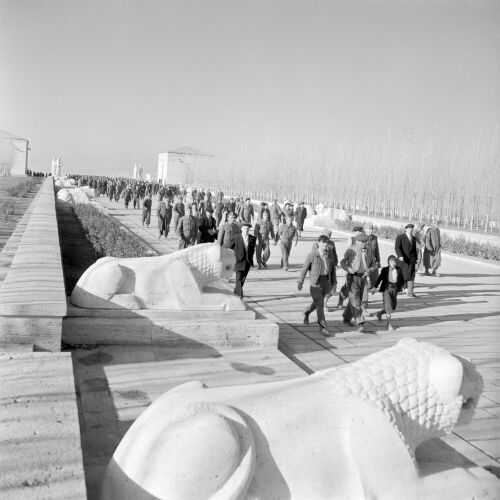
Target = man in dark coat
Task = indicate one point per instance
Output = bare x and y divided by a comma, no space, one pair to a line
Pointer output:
244,249
406,250
188,228
300,217
208,227
164,214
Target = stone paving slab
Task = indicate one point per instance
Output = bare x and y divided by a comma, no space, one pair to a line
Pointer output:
40,450
459,311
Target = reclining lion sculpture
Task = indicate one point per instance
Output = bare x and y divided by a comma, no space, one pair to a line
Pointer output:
174,281
348,432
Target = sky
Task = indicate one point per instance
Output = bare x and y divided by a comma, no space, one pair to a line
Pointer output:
107,83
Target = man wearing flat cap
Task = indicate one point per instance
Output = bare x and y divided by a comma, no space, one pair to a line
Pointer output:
406,251
358,263
356,230
244,248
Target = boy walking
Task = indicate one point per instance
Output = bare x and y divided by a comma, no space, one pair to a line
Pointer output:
391,282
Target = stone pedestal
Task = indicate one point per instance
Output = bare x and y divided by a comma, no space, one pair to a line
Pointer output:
173,328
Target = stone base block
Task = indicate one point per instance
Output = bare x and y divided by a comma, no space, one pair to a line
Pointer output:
173,328
43,333
41,453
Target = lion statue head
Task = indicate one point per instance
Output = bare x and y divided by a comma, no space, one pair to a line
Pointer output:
209,262
423,389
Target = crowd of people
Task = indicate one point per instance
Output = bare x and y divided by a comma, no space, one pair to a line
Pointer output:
198,216
415,249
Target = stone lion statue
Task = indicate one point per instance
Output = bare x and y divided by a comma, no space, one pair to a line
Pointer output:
174,281
350,432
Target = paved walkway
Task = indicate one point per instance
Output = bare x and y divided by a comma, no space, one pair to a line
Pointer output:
458,311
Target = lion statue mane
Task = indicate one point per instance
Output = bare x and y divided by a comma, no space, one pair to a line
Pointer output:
350,432
175,281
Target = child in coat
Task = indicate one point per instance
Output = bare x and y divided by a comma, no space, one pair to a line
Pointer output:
391,283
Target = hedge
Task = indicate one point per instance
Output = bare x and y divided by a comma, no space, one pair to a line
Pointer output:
7,209
107,236
22,189
448,243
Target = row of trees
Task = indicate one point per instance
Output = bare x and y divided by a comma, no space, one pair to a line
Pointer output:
396,181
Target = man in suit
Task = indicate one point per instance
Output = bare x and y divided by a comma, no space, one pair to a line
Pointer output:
244,248
358,263
228,232
406,250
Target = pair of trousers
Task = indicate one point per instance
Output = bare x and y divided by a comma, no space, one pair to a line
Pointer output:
390,297
262,251
318,294
285,253
276,226
241,276
356,286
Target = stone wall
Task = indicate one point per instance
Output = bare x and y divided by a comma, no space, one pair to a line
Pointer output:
33,297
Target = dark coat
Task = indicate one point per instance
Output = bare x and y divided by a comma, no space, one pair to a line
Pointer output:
208,231
373,242
383,279
244,256
408,251
300,217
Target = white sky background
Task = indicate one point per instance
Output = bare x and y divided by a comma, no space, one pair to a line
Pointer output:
106,83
